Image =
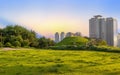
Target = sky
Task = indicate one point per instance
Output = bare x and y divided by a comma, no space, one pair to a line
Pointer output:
49,16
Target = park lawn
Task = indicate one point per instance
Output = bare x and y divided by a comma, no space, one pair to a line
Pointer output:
58,62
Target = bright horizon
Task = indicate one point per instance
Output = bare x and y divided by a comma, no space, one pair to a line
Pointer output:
49,16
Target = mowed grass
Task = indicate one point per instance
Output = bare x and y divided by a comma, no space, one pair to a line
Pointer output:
58,62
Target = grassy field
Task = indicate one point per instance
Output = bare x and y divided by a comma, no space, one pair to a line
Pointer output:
53,62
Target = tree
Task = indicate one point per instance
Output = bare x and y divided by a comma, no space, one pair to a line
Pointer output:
34,43
101,42
20,34
97,42
42,42
45,43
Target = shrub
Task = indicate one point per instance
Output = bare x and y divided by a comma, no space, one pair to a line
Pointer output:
17,44
1,45
84,47
25,43
8,44
69,47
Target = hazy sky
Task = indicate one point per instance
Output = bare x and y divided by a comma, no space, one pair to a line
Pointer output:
49,16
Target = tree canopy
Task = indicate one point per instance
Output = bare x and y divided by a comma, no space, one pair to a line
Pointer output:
18,36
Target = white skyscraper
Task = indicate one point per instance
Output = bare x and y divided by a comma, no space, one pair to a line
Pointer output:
57,39
97,27
111,31
62,36
118,38
103,28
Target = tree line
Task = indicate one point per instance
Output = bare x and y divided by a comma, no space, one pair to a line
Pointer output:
18,36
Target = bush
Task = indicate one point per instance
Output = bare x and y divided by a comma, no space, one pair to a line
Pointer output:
8,44
57,47
17,44
25,43
84,47
96,42
69,47
45,43
1,45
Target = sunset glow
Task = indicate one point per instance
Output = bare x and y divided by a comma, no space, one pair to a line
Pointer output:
49,16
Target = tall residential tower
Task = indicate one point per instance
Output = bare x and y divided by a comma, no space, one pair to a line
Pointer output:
62,35
103,28
57,37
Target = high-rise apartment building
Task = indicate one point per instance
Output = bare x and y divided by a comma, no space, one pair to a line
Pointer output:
62,35
69,34
57,38
103,28
111,31
78,34
118,38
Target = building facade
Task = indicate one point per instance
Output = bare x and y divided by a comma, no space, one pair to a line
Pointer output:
118,38
57,38
103,28
69,34
78,34
62,36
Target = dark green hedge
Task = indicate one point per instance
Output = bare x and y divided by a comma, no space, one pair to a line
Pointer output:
83,47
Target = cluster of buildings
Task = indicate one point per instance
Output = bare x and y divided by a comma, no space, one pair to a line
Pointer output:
99,28
105,29
62,35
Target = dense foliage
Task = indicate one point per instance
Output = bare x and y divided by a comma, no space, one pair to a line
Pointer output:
90,48
96,42
45,43
17,36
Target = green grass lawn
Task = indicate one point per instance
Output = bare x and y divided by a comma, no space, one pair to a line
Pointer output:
58,62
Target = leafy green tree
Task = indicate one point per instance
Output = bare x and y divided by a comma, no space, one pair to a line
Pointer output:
18,33
97,42
45,43
42,43
18,36
101,43
34,43
50,42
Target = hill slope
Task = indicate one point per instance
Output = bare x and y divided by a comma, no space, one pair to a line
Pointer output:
73,41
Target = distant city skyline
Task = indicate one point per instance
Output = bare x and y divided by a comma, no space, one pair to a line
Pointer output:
60,36
49,16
